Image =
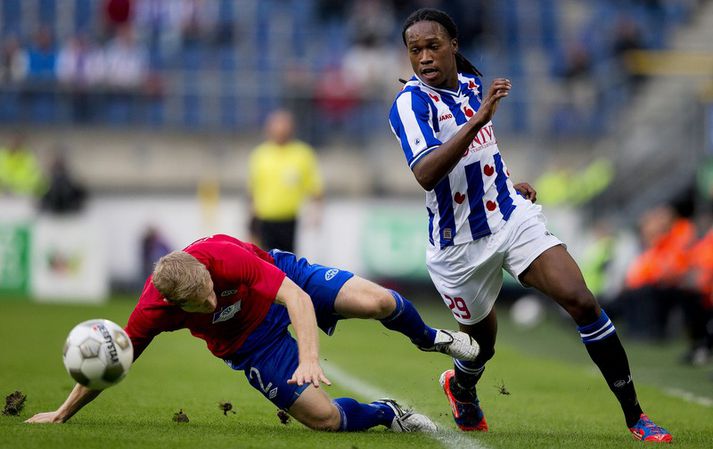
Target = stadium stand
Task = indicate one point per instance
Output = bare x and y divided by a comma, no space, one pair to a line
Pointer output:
221,67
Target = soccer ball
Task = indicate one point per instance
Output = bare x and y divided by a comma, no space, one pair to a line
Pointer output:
98,354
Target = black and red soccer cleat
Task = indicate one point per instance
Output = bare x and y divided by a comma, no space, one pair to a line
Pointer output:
467,415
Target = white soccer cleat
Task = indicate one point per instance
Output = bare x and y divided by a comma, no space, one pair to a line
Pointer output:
456,344
407,420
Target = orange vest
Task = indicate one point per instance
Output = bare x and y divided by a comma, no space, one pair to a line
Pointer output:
701,256
667,261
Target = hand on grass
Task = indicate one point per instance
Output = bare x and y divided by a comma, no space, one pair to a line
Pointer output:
45,417
309,372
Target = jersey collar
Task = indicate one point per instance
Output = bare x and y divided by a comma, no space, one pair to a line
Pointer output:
438,89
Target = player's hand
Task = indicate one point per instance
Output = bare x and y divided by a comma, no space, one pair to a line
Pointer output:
499,88
46,417
527,191
309,373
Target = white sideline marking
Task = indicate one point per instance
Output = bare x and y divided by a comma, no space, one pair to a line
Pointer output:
689,397
448,438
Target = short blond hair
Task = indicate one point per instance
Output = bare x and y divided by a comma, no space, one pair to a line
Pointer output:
179,277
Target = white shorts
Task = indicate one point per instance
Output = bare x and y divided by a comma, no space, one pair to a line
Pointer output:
469,276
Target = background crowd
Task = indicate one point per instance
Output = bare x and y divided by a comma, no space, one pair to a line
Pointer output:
205,63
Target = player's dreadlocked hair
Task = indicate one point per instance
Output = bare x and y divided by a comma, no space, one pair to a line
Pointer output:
435,15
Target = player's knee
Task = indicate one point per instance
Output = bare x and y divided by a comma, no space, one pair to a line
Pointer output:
381,304
582,305
327,419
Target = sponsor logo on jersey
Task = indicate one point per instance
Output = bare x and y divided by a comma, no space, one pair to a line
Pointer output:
482,140
226,313
228,292
445,117
329,275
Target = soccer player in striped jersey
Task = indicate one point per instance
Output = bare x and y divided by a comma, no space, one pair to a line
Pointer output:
479,223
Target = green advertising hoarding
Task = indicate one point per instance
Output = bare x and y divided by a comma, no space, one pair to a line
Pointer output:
395,242
394,245
14,259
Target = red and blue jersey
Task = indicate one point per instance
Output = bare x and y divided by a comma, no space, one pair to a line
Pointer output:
245,281
477,197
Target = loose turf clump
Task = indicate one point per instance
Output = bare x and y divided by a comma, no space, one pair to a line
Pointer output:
14,402
226,407
502,389
179,416
284,417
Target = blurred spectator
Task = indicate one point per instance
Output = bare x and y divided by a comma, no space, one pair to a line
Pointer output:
80,67
336,101
125,61
159,21
42,57
700,279
40,83
666,238
20,173
153,247
627,38
573,113
199,21
126,71
371,19
661,279
64,194
283,172
13,70
117,15
13,62
372,67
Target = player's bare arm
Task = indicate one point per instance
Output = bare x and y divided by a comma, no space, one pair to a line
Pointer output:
77,399
301,311
437,164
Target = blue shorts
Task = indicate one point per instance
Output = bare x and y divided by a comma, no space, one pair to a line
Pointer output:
269,356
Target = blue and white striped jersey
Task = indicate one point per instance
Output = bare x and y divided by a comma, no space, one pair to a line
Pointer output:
477,196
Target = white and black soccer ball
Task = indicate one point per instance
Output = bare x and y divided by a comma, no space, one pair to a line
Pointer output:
98,353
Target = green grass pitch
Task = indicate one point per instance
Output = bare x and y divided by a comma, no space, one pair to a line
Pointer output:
556,397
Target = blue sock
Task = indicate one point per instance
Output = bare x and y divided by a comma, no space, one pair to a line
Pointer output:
468,373
598,330
606,351
357,416
406,319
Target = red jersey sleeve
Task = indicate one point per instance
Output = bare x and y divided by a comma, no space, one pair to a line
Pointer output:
151,316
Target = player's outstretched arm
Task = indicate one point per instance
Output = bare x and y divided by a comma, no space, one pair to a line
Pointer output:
78,398
437,164
301,311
